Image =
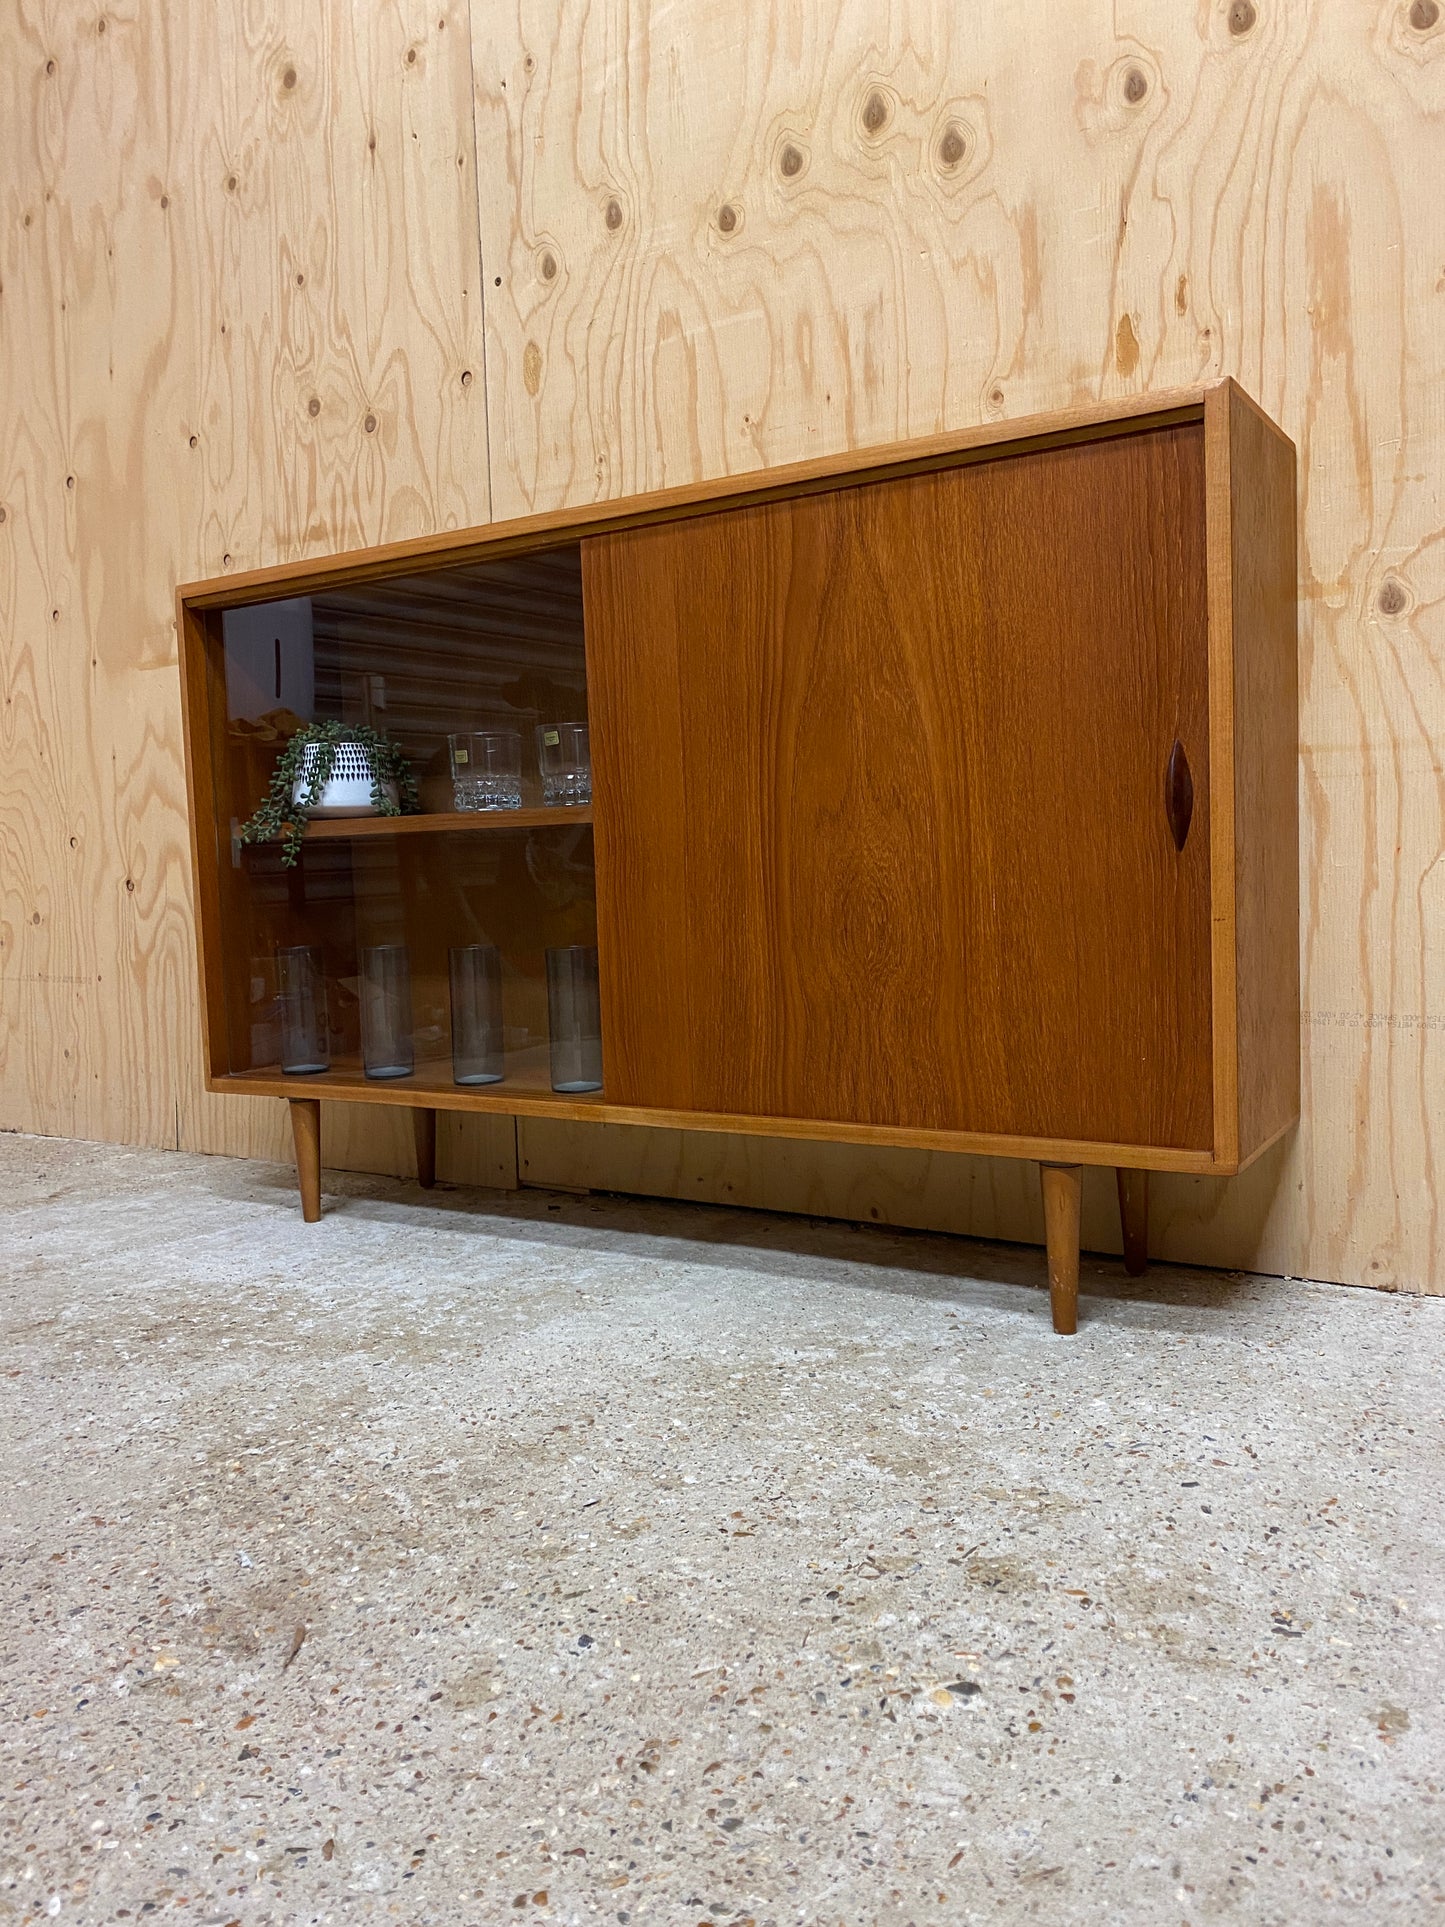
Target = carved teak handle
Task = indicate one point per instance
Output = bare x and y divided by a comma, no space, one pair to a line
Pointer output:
1178,794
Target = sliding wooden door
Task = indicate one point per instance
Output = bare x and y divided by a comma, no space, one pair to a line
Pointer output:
890,789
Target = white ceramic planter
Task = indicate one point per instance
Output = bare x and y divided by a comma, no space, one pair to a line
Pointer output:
347,791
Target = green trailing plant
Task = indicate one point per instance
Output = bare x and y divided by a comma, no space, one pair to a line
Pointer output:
282,815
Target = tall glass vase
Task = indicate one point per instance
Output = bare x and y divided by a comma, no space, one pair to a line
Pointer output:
301,988
574,1017
387,1049
476,982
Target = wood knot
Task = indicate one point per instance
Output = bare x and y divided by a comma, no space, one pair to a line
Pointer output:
953,145
548,266
531,368
613,216
727,217
875,113
1423,15
313,407
1392,599
1126,346
1136,85
790,161
1242,17
195,441
466,378
370,424
411,56
50,66
230,183
288,79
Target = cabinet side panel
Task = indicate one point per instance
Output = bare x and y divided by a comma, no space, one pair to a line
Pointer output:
882,832
1266,775
202,698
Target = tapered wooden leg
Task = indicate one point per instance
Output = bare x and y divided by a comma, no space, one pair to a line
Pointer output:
306,1129
1062,1185
1134,1216
424,1124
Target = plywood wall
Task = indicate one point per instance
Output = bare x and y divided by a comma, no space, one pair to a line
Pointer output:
279,281
241,320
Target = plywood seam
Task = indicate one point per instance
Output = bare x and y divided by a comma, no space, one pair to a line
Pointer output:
481,250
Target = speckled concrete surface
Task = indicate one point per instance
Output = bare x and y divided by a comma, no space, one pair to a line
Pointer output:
476,1559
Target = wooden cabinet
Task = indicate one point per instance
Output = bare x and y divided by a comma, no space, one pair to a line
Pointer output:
943,798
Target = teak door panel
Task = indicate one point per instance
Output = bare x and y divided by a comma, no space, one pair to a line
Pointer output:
880,800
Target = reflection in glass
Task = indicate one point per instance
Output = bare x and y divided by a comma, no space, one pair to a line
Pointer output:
574,1017
491,648
305,1047
564,757
476,979
387,1049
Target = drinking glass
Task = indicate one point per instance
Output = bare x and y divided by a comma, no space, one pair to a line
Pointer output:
387,1049
574,1017
476,973
301,985
564,757
486,769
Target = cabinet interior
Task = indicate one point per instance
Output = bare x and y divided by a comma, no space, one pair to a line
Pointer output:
489,645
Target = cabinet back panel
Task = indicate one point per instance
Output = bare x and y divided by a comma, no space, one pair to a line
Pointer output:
880,800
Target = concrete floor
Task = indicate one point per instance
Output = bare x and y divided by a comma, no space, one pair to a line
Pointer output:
473,1558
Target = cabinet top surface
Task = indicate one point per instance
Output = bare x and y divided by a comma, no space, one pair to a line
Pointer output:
451,548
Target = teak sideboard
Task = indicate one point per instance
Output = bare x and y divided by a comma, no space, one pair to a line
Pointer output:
944,796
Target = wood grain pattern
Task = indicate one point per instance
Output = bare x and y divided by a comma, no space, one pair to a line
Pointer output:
526,1093
1263,206
1134,1220
424,1132
1266,207
1062,1186
306,1131
345,829
529,538
242,321
880,801
1266,758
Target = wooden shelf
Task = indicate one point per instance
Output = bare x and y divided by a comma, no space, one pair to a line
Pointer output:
525,1090
444,822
